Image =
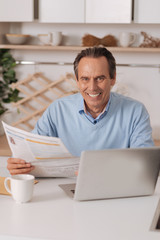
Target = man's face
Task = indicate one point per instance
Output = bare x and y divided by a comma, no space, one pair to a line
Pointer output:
94,83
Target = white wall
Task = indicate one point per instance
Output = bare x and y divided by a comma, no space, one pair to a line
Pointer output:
72,33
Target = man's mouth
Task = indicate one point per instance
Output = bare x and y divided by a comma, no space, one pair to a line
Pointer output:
94,95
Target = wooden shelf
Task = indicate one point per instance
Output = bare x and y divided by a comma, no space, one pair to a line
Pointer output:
78,48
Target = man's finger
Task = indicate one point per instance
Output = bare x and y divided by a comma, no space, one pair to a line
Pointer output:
15,160
18,165
21,171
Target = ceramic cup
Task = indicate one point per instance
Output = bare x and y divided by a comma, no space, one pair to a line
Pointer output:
21,187
126,39
52,38
55,38
44,39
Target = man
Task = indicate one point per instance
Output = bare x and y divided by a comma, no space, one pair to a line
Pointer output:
95,118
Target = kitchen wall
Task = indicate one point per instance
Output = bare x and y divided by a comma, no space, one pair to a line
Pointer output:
4,28
72,33
141,82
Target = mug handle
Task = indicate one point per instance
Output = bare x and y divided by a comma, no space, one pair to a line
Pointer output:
6,184
133,38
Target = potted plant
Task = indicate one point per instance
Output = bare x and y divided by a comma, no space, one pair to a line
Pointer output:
7,77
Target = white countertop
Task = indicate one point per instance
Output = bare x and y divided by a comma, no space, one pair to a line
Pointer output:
53,215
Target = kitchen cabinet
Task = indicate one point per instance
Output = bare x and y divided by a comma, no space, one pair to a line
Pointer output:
16,11
146,11
106,11
85,11
61,11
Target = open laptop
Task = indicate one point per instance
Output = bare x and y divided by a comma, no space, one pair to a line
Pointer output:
115,173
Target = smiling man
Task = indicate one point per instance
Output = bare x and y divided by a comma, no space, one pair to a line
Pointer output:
95,118
94,82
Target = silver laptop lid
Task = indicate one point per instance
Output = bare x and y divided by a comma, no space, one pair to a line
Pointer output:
115,173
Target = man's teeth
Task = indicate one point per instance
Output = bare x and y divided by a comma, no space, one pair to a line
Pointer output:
94,95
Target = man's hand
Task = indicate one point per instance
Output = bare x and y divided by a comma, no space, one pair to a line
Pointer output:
18,166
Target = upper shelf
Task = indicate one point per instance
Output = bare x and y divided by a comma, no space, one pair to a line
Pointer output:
78,48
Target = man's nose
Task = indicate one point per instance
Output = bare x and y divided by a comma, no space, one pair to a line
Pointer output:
92,85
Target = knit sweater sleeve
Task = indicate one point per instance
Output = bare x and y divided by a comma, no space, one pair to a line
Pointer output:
141,130
45,125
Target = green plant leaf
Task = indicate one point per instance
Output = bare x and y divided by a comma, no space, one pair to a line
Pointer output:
12,96
7,77
2,109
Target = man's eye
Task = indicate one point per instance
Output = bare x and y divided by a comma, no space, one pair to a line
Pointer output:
84,79
101,78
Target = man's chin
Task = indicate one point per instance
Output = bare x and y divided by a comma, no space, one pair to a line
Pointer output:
93,104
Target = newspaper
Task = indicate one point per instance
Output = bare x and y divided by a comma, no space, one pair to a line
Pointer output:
48,154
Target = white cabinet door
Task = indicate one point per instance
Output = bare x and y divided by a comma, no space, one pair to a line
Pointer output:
147,11
108,11
16,11
61,11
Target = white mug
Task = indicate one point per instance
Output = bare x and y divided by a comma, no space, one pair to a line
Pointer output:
44,39
126,39
21,187
55,38
52,38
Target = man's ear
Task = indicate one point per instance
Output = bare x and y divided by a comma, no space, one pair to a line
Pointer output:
76,78
77,82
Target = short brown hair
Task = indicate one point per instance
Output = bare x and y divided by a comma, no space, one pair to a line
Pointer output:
96,52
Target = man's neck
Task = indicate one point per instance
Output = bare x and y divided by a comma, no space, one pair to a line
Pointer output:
95,112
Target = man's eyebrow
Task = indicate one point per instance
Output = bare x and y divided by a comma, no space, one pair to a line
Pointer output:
101,76
104,76
84,76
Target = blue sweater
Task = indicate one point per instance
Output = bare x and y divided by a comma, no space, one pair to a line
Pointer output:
125,124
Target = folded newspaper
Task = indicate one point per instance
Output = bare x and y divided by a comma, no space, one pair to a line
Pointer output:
48,154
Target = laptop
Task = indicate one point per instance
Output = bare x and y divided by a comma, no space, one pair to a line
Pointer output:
115,173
